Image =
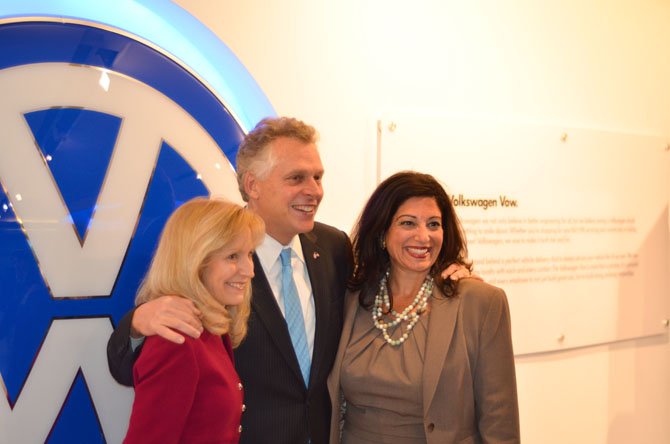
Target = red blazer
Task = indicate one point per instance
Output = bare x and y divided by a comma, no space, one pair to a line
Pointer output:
187,393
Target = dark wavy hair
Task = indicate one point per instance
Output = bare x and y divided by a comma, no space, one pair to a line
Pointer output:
371,260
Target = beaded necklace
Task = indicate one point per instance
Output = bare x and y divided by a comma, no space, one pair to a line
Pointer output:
410,314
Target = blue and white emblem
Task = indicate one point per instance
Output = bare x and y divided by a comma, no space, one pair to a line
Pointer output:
103,136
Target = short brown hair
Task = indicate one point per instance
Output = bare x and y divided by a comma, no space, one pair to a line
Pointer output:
253,155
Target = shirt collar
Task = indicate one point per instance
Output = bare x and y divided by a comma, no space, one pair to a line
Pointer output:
268,251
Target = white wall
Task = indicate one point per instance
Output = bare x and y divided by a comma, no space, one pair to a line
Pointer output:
599,64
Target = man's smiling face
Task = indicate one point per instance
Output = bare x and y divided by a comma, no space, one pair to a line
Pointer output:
288,195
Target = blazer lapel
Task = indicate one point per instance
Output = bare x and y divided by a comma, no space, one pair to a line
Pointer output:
265,305
318,279
350,305
441,324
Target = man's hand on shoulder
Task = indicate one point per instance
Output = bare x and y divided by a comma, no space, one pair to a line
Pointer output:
167,316
458,271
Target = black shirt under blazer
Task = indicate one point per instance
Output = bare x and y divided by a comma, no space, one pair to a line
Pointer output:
279,409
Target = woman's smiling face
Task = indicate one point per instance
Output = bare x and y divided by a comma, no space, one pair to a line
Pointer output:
414,239
229,271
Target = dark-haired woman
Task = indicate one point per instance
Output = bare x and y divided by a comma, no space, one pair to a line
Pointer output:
421,359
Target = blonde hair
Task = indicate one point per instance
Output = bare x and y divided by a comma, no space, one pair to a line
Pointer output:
253,154
196,231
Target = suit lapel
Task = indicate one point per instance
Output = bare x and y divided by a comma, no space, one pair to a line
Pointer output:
350,305
265,305
317,270
441,324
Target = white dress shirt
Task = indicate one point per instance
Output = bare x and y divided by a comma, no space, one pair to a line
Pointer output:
268,255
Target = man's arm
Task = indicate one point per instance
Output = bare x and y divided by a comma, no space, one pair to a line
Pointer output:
161,316
120,356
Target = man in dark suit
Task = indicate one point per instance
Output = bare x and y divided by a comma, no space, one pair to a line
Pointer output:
279,174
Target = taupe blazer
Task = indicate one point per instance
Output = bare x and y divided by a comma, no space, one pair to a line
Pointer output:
469,382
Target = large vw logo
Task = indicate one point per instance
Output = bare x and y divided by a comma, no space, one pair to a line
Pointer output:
94,156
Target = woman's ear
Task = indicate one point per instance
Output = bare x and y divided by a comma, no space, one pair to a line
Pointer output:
382,241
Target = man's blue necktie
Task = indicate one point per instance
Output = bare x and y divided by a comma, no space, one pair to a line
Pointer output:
293,314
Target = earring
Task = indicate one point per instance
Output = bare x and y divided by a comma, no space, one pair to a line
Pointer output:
382,242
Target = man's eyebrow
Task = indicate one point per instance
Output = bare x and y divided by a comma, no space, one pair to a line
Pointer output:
304,172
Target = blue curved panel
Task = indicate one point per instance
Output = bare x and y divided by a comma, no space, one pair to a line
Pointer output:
174,30
77,147
38,42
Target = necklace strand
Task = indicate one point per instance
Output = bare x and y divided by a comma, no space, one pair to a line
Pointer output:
410,314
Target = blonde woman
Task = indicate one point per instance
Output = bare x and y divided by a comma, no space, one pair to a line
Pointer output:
191,392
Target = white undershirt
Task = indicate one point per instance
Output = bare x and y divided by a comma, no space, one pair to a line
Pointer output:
268,255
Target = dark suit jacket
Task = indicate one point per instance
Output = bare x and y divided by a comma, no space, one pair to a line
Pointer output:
469,383
280,410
